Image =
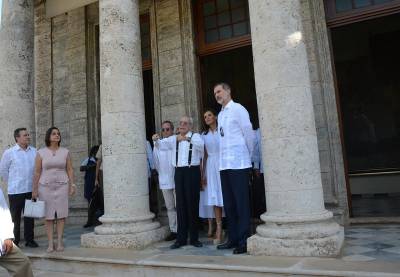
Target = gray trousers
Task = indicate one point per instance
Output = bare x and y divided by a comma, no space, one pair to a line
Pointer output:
170,204
16,263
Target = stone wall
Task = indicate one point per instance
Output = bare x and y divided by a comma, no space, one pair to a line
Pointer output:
173,75
326,114
60,86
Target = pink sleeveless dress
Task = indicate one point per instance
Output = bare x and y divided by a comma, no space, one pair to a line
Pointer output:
53,182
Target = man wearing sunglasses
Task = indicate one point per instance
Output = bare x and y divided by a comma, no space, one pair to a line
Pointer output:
188,149
166,171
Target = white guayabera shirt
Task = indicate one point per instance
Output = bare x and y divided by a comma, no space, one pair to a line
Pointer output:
6,224
16,169
236,137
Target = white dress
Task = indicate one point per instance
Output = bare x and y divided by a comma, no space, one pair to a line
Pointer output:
212,194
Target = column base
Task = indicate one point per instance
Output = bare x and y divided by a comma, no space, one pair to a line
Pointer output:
316,239
133,241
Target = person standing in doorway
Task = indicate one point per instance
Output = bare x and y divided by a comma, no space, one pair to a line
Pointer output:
188,148
166,172
16,169
236,147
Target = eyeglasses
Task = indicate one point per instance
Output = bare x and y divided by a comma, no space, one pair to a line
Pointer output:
221,131
165,129
183,123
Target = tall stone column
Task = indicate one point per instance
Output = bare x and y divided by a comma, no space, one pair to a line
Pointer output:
296,221
127,222
16,69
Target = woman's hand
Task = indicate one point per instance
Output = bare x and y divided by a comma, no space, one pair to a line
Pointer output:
34,194
203,184
72,190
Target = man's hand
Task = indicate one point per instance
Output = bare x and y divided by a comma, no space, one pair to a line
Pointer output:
181,138
257,173
155,137
96,183
8,246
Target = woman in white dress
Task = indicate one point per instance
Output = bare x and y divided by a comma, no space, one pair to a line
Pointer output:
211,203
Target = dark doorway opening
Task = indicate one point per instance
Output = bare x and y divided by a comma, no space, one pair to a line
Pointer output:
234,67
367,63
149,103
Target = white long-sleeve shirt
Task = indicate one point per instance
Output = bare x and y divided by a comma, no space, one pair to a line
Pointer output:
237,137
162,162
16,169
150,161
257,154
183,151
6,224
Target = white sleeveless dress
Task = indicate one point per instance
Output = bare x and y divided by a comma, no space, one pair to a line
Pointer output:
212,194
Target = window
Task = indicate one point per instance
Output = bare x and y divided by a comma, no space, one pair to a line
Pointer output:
145,40
222,24
340,12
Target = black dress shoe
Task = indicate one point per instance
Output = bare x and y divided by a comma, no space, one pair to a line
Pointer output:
176,245
196,244
240,250
31,244
226,245
171,236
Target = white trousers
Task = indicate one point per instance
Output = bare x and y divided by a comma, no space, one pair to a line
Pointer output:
169,198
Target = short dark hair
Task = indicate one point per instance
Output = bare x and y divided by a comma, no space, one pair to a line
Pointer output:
169,122
94,150
224,85
17,132
48,134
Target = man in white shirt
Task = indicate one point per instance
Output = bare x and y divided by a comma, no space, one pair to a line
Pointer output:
166,172
188,149
236,147
11,257
16,170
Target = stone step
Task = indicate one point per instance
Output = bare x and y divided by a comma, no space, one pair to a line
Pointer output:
123,262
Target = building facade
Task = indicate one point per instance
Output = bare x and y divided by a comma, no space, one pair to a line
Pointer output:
111,71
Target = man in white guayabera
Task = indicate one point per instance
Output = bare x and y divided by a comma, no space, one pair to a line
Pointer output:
236,147
166,171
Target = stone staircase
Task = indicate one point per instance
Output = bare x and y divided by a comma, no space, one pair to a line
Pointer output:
122,262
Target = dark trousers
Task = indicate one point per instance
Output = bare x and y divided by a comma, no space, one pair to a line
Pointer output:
235,191
17,205
187,189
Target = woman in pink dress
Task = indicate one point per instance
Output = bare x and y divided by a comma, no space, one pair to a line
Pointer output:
53,183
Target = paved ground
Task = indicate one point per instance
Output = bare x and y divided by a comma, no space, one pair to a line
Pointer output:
363,243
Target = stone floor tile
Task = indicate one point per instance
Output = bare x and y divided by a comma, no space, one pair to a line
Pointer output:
357,258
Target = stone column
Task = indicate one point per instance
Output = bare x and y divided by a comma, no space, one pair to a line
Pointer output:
127,222
16,70
296,221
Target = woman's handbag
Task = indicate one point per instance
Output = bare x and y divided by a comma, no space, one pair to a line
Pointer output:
34,208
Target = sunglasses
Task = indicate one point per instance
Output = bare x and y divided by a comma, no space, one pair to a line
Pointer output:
165,129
